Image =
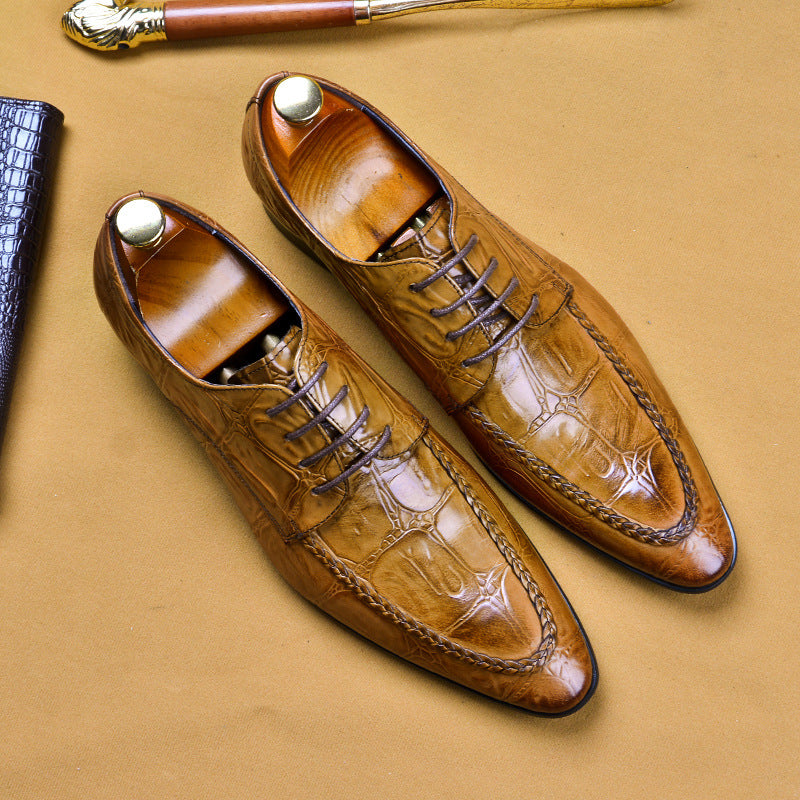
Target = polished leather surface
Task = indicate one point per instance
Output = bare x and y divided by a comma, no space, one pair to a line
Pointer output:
28,138
568,412
413,550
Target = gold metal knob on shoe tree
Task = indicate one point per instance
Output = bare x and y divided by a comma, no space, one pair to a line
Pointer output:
298,99
140,222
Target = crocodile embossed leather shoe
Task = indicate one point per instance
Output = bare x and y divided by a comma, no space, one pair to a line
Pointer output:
548,384
361,507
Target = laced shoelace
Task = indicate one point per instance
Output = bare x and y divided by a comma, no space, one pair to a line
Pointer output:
322,416
488,310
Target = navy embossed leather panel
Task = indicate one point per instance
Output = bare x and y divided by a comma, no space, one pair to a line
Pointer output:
28,136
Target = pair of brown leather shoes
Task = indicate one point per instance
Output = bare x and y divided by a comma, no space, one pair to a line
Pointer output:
363,508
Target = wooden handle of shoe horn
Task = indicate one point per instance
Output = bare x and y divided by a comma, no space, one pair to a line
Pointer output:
197,19
190,19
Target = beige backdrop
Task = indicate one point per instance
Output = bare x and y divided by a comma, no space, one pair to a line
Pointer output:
147,647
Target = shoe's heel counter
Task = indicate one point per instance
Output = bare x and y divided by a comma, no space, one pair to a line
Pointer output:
110,292
257,167
103,273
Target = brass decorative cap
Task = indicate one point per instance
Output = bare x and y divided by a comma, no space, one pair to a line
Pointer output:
115,24
298,99
140,222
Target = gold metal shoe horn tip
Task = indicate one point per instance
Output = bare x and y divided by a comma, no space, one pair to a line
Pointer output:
114,24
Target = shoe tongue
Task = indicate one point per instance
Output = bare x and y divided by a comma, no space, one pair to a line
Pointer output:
427,236
277,366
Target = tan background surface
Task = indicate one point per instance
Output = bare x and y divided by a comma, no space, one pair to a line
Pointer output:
148,649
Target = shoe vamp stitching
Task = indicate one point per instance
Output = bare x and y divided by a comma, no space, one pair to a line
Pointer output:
583,498
364,590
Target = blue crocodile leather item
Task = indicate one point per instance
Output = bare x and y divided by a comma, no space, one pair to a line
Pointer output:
29,132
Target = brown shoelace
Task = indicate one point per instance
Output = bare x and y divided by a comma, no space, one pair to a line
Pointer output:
488,310
321,417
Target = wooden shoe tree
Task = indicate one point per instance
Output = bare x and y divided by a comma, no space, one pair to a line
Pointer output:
355,184
200,299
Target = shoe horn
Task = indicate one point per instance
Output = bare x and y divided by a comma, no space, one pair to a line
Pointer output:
120,24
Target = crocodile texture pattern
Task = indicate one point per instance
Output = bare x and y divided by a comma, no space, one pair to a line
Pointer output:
412,550
28,137
567,412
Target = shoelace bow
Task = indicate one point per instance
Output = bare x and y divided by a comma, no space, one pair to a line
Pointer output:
488,310
322,416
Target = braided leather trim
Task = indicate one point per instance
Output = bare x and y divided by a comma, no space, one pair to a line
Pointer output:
549,630
581,497
366,592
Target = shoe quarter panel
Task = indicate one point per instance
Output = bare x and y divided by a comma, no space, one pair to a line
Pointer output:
404,317
535,270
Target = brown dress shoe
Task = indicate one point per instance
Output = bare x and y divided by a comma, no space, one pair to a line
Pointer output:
362,508
548,384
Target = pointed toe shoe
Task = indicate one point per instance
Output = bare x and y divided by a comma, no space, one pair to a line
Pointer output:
360,506
550,387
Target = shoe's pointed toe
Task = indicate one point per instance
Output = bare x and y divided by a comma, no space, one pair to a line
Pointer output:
705,557
572,678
